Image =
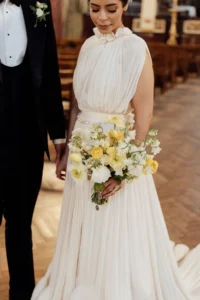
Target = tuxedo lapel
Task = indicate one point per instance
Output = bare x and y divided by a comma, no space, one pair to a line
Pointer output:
36,40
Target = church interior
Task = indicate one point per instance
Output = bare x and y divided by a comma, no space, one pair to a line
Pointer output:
171,29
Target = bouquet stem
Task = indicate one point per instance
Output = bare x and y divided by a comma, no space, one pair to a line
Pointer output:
97,197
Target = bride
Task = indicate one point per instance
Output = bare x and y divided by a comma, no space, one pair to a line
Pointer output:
122,251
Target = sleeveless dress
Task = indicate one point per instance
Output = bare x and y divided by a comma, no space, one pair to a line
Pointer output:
122,251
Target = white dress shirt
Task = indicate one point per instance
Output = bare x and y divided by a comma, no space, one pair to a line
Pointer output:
13,37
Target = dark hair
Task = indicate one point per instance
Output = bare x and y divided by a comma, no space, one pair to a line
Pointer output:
124,2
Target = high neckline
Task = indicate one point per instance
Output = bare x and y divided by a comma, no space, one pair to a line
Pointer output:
105,38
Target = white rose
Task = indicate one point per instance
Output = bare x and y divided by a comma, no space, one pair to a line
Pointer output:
101,174
39,12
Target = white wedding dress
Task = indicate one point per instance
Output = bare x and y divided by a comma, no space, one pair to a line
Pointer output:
122,251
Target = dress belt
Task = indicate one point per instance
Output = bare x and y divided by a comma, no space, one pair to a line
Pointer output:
90,117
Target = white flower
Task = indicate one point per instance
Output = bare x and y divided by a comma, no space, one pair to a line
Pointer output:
86,146
73,148
153,132
122,148
155,143
132,134
150,156
77,172
133,148
83,133
134,171
39,5
76,157
94,135
39,12
156,150
127,139
119,173
128,162
130,118
101,174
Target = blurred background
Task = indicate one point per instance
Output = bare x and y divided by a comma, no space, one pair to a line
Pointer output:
171,29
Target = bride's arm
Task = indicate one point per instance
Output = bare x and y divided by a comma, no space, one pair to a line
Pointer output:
61,168
143,100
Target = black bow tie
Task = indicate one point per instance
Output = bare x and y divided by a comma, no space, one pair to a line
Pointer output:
16,2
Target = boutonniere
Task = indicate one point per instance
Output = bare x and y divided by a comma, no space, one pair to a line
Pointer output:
40,11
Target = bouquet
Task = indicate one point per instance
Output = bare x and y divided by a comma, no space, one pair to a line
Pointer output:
110,150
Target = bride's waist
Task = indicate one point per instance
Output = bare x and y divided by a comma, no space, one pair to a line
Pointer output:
90,117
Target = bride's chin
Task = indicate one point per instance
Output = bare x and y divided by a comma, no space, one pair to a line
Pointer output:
105,30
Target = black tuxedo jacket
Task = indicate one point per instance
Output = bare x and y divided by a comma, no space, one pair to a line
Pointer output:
42,55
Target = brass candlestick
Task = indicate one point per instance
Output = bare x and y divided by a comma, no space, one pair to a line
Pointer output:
172,41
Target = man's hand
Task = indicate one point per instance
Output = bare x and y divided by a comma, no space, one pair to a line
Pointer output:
60,150
61,167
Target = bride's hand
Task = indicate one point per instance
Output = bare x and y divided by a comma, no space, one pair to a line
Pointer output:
61,167
111,187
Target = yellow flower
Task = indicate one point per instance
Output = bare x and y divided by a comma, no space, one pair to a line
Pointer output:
116,135
119,121
106,145
75,157
116,162
111,151
77,173
97,152
151,165
154,166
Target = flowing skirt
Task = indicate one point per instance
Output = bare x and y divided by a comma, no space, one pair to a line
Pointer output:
121,252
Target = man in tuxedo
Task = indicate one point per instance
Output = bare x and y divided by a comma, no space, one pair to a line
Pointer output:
30,106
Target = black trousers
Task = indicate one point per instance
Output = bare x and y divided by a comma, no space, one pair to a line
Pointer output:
21,154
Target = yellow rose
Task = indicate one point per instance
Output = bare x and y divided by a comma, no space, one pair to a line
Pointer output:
97,152
75,157
111,151
153,164
116,135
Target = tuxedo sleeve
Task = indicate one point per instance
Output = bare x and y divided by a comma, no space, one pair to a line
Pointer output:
52,102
